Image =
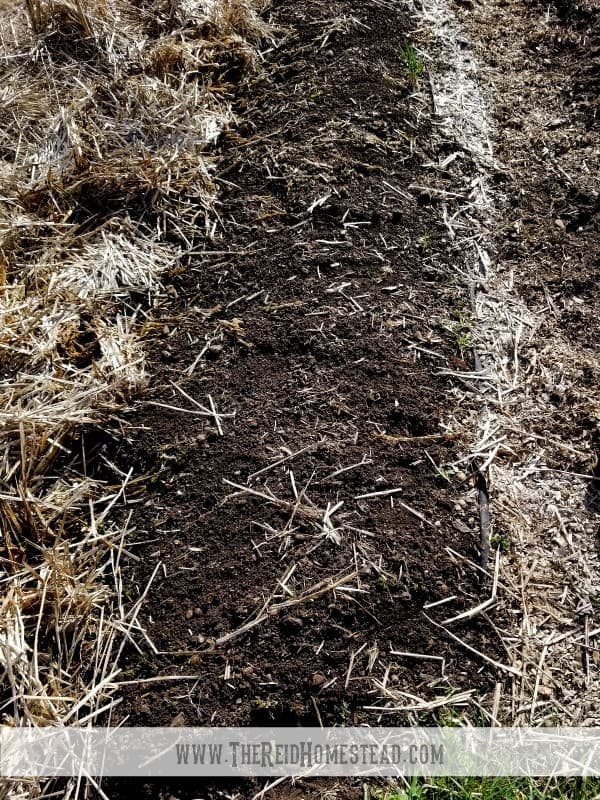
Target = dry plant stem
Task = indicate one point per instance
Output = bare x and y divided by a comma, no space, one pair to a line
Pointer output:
492,661
270,609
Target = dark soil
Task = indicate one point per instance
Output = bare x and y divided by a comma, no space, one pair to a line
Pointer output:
326,311
559,204
327,328
548,68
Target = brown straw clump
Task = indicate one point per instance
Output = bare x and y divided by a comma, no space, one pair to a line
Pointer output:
108,112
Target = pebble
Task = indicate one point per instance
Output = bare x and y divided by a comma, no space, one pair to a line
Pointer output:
318,679
189,613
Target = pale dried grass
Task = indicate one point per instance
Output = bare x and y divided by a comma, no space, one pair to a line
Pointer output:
108,111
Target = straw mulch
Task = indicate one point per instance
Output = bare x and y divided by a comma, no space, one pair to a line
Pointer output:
108,113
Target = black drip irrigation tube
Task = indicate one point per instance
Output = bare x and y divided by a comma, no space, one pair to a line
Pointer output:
481,484
483,501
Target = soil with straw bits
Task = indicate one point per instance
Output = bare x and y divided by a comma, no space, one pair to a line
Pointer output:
324,330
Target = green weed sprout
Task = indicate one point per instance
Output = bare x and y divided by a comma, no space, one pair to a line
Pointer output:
414,64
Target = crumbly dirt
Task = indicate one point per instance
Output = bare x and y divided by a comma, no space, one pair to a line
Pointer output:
320,319
327,330
550,117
